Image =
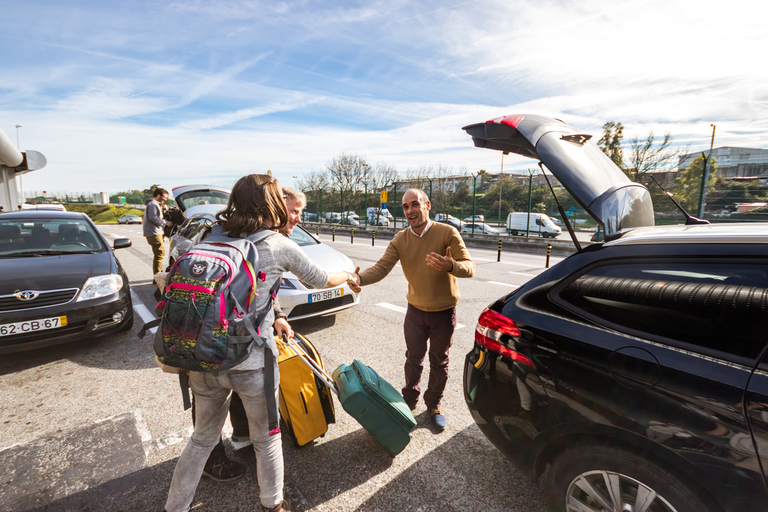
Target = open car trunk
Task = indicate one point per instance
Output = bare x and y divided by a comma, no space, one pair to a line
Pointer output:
603,189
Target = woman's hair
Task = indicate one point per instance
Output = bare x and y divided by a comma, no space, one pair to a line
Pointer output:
256,202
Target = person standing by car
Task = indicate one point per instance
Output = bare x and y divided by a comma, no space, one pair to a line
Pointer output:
153,227
256,203
432,255
219,467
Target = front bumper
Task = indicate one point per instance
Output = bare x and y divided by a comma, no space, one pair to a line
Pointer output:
295,302
84,319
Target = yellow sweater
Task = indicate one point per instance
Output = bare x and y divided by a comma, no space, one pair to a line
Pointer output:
428,289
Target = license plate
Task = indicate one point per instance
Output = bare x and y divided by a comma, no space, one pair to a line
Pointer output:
40,324
325,295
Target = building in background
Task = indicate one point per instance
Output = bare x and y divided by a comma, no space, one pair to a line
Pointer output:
734,163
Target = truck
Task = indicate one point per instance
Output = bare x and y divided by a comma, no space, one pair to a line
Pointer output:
540,224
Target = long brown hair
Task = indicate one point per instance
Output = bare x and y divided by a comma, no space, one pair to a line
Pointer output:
256,202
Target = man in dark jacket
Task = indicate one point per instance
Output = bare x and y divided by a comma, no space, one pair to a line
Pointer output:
153,227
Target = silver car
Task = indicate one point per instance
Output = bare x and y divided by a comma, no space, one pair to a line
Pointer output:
296,299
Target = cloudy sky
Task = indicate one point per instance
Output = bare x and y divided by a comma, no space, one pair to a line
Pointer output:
124,94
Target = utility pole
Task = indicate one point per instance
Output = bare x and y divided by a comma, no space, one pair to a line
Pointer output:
501,181
530,194
705,174
474,199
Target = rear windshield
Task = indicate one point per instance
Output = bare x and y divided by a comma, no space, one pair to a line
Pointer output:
199,197
46,236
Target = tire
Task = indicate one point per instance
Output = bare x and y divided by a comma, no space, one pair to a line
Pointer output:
514,232
591,465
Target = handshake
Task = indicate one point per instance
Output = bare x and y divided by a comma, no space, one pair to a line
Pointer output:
353,280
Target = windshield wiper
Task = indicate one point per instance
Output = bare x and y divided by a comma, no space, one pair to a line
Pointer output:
47,252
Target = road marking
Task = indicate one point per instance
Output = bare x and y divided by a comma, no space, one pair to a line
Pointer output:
403,310
522,274
143,311
515,286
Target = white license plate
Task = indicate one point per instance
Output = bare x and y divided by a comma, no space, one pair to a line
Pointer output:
325,295
40,324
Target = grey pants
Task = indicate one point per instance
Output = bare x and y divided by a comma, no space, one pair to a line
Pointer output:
212,395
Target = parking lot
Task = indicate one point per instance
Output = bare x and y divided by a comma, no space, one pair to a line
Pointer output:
97,426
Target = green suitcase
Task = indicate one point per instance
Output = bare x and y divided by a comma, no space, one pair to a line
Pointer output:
375,404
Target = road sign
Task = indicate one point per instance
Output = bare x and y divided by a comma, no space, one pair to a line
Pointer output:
383,196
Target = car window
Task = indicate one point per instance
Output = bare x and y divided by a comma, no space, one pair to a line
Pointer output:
301,237
713,306
39,235
199,197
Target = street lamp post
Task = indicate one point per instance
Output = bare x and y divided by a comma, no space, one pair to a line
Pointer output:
365,210
705,174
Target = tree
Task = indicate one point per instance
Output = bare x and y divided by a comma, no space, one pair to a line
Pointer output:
649,156
688,183
610,142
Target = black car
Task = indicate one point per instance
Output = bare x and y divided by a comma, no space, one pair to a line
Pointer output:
59,281
636,370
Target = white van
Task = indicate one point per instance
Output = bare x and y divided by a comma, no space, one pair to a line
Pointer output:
372,211
540,224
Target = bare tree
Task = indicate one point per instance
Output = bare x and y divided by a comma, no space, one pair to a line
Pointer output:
649,156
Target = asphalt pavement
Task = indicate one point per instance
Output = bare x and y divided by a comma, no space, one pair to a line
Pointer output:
96,425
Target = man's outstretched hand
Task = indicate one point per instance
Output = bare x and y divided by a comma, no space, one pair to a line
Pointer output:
442,263
353,280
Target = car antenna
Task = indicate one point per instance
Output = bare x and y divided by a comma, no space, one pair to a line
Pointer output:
689,219
562,212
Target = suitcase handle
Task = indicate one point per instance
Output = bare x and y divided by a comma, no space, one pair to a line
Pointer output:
316,369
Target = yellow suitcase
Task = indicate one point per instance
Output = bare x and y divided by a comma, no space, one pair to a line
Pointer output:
306,405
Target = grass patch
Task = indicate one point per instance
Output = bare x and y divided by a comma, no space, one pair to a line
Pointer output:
108,217
101,213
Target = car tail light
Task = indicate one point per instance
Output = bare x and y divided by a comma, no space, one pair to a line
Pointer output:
491,327
512,121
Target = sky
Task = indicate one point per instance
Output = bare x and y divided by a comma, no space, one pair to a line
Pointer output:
125,94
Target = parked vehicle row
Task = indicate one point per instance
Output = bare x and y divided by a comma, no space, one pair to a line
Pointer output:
636,369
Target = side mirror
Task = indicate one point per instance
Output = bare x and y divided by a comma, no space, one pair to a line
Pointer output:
122,243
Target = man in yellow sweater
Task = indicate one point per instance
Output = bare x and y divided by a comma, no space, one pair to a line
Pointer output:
432,256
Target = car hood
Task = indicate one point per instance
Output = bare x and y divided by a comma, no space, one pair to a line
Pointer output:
585,171
327,258
52,272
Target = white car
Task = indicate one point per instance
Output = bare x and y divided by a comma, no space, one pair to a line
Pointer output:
296,299
478,219
480,229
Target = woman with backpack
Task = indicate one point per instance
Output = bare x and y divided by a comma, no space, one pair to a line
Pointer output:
255,204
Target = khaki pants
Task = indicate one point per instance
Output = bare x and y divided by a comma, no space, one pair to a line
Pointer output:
158,250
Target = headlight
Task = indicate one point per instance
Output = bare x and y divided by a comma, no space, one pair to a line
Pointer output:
100,286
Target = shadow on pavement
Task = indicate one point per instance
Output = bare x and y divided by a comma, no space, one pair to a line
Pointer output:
464,473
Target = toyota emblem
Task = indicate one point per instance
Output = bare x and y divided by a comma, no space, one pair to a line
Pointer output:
27,295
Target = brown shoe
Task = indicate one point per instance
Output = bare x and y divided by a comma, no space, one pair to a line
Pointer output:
285,506
224,470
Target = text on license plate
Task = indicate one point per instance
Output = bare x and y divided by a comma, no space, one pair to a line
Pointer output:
41,324
325,295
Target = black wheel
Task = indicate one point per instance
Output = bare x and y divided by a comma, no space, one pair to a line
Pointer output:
514,232
607,479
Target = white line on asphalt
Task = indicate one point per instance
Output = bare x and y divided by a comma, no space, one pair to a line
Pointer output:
523,274
403,310
387,305
169,440
515,286
143,311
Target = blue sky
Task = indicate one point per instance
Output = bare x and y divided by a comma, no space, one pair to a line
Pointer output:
121,95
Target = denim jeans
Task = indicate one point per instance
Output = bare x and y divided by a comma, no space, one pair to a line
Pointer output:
212,391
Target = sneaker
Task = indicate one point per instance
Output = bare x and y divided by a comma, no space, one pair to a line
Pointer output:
285,506
224,470
438,420
412,407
